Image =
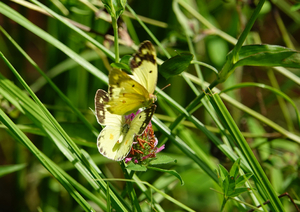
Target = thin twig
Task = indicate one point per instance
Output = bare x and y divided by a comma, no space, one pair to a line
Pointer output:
282,195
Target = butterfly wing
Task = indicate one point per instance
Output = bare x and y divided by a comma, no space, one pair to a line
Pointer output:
108,144
141,120
137,126
108,139
125,94
144,67
103,116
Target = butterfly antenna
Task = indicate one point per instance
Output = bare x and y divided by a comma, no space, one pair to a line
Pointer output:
164,88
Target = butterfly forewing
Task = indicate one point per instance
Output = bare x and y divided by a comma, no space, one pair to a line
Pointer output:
144,67
125,94
103,116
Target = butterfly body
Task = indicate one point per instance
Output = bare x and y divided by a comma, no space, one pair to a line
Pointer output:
128,94
116,139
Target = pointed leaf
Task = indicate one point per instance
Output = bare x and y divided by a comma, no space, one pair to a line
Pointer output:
242,179
123,66
162,159
175,65
268,55
219,178
231,186
238,191
172,172
7,169
226,185
223,172
234,171
136,167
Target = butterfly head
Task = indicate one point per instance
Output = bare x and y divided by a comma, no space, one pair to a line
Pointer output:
153,98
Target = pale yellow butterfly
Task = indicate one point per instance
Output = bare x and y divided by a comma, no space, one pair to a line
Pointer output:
116,139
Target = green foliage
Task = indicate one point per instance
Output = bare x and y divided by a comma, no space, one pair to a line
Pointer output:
114,7
4,170
175,65
231,182
236,113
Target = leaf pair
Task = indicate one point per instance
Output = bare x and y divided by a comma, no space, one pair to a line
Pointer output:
231,182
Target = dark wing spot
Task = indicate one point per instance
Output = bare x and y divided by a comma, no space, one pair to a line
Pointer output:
140,117
133,85
150,71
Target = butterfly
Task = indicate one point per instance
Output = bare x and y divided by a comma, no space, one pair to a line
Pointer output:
129,93
116,139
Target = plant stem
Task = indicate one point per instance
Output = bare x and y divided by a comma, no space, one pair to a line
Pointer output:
246,31
114,22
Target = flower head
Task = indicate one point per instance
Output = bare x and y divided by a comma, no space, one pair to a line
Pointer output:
144,147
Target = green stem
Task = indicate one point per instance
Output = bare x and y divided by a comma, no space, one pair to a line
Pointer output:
246,31
114,22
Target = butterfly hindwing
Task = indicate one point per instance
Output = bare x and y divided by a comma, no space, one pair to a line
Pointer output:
144,67
141,120
116,139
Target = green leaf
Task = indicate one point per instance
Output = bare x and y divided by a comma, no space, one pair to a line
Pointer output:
175,65
225,185
223,172
136,167
125,59
162,159
295,7
268,55
123,66
238,191
7,169
242,179
234,171
172,172
219,178
115,7
243,146
231,186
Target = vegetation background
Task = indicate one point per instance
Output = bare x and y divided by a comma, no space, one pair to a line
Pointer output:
48,155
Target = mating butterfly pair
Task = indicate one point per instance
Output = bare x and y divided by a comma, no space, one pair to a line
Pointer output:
126,95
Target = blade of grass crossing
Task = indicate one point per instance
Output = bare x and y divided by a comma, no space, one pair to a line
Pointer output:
21,137
15,16
55,88
247,152
44,119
